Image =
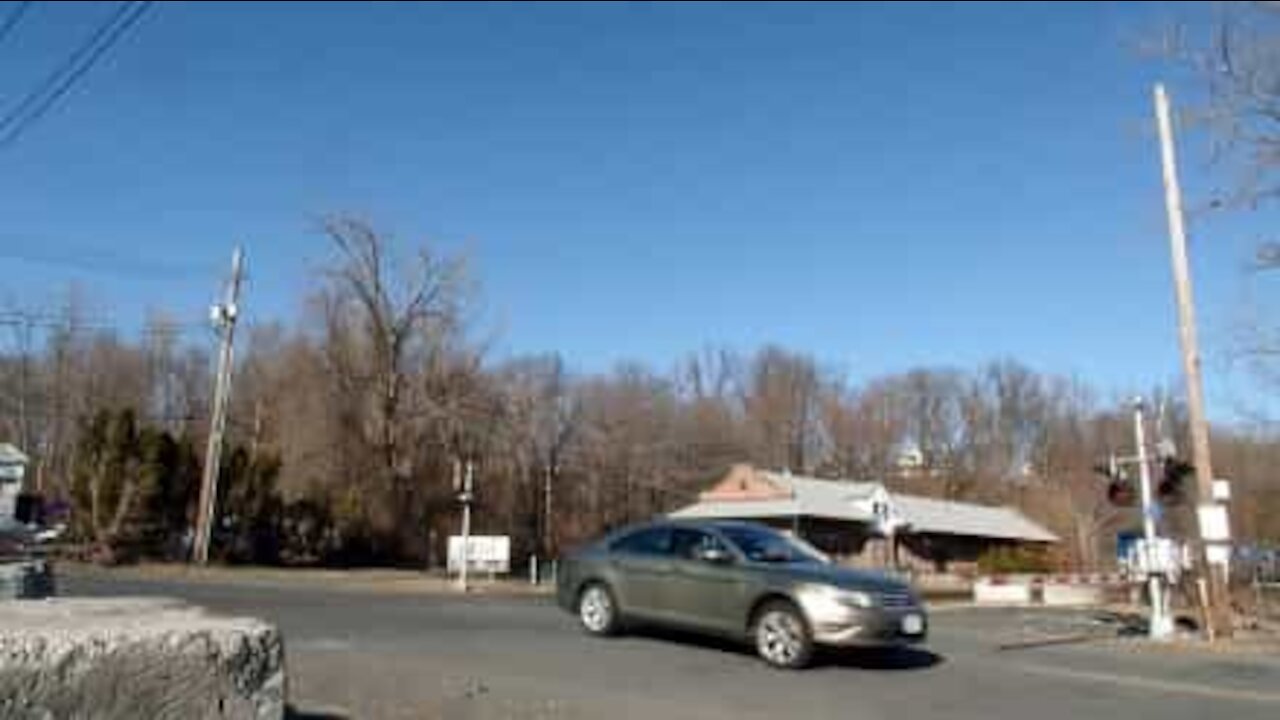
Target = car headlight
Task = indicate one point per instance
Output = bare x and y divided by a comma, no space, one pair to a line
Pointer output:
834,596
854,598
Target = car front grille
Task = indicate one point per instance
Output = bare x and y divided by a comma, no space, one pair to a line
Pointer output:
896,600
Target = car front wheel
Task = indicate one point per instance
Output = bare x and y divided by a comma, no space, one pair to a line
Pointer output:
782,636
597,611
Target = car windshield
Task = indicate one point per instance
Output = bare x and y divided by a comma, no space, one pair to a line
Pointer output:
761,544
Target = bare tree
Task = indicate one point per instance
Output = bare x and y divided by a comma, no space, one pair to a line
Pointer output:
381,317
1239,65
1235,94
867,429
781,402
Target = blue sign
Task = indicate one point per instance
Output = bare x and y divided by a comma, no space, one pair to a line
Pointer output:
1124,544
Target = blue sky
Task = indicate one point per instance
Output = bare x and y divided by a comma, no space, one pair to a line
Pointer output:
881,185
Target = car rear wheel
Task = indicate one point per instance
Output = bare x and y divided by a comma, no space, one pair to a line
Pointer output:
782,636
597,611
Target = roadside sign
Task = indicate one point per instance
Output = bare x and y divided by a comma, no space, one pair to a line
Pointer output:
1125,542
1218,554
1162,556
1214,524
485,553
1221,490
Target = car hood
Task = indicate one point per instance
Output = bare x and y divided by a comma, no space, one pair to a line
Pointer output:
842,577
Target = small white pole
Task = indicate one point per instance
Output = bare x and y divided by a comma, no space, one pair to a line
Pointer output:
1160,626
466,528
533,569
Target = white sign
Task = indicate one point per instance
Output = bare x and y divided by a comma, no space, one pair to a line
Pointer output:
1214,524
1162,556
1218,554
485,553
1221,490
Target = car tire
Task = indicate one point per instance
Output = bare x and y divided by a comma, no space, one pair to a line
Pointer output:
598,611
782,636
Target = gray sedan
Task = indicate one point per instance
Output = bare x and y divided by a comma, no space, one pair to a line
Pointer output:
740,580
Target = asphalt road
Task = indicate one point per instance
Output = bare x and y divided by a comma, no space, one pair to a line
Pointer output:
366,655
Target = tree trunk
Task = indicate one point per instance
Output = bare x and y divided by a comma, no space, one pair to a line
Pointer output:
123,505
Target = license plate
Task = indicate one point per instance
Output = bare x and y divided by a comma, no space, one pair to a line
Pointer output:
912,624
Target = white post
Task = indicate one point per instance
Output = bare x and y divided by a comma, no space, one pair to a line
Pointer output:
546,510
1160,624
466,529
533,569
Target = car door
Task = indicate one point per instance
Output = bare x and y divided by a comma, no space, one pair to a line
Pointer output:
643,564
705,593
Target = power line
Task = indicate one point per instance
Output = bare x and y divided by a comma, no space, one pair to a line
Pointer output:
69,64
52,321
60,82
99,263
14,17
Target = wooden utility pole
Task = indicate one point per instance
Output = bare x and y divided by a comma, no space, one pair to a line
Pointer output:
224,320
1218,610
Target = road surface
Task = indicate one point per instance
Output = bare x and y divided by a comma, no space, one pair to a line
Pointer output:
370,655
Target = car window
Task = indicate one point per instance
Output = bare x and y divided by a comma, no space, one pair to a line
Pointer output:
649,541
687,542
764,545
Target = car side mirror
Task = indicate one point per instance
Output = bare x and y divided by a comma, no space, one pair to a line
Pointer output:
715,556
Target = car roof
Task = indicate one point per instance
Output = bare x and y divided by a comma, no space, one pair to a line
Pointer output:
666,522
693,523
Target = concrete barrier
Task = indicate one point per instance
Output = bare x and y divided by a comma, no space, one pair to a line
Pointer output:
987,591
136,658
1070,594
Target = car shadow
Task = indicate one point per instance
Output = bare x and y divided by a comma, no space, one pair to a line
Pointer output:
688,637
294,713
879,659
885,659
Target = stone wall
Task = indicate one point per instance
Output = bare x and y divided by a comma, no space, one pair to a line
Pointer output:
136,658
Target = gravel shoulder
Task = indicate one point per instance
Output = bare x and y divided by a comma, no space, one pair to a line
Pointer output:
383,581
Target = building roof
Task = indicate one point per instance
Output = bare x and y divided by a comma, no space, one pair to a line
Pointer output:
827,498
930,515
800,496
797,495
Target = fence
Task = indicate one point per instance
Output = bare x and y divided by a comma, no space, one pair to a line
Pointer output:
1054,590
